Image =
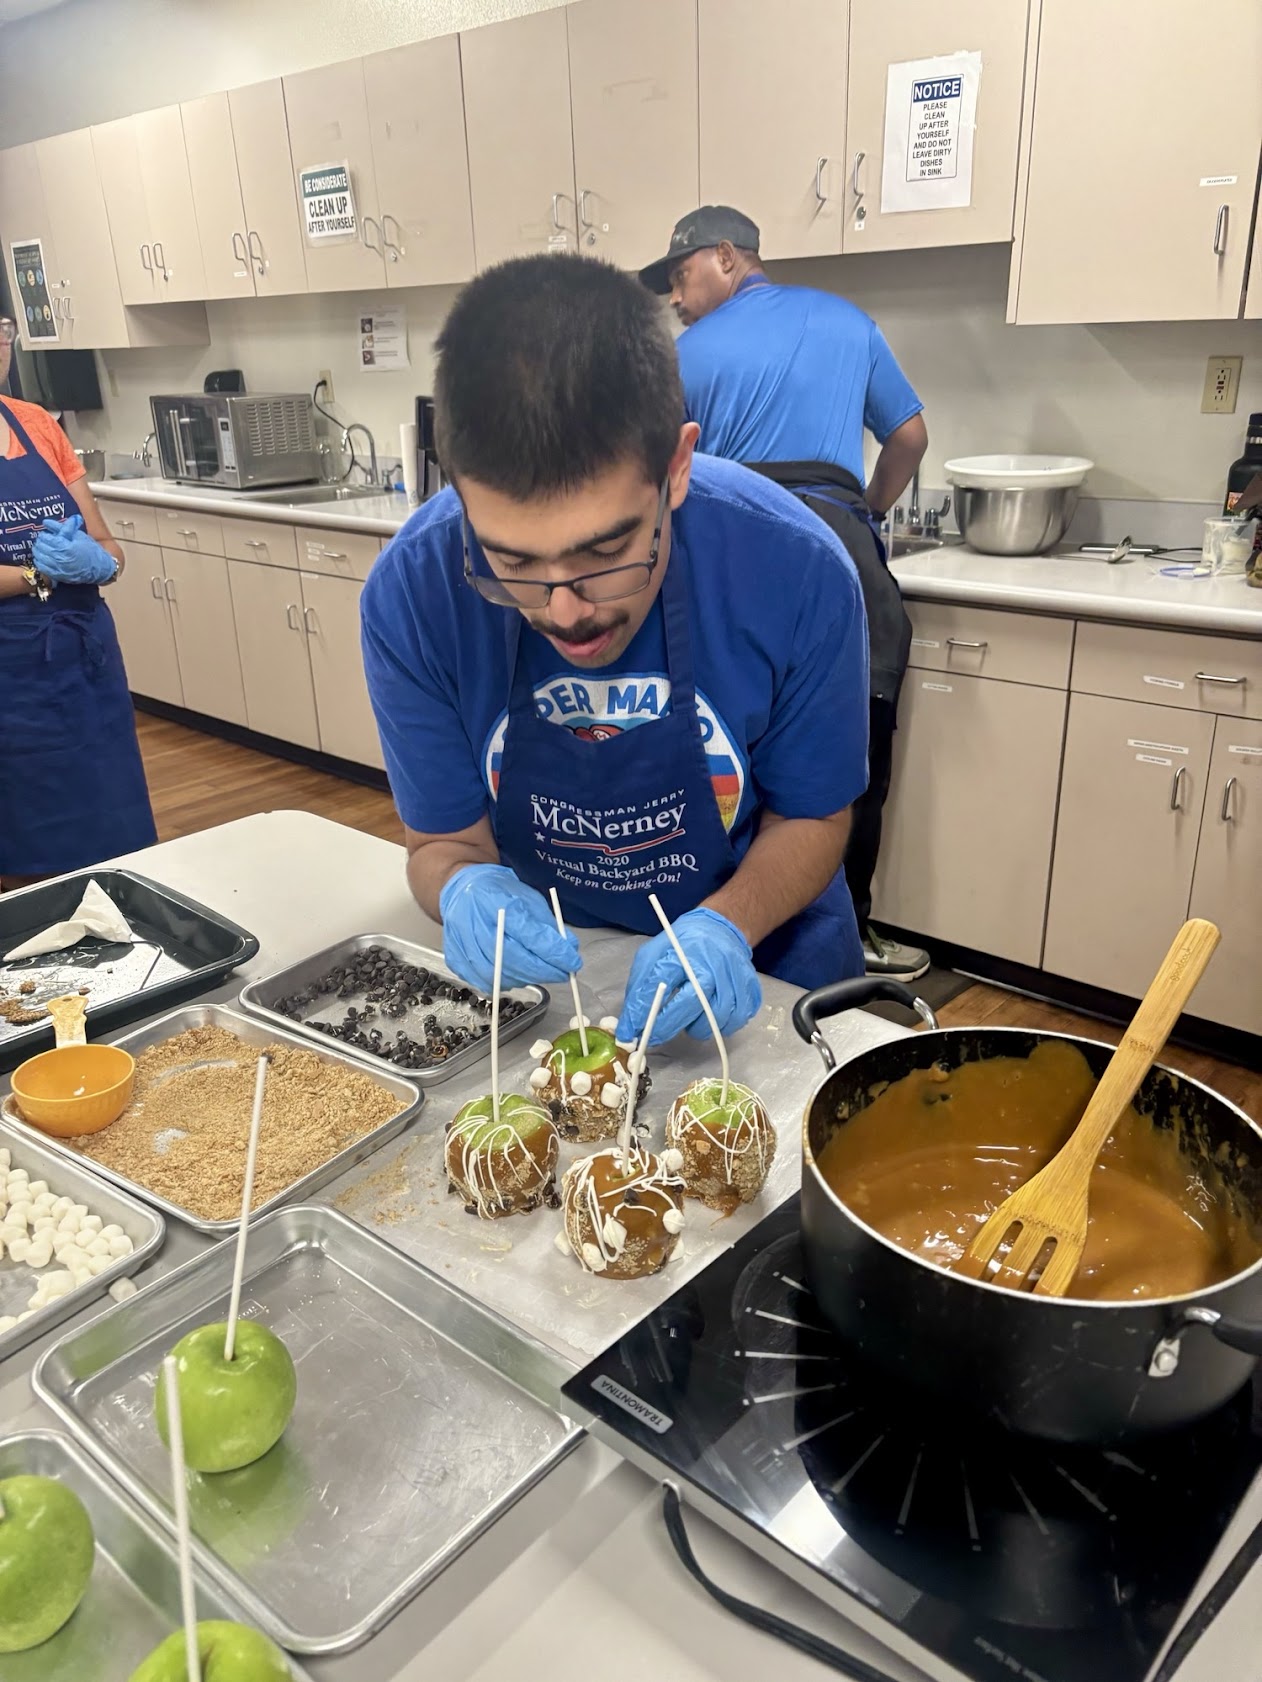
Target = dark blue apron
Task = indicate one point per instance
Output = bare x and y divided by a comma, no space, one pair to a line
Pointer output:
607,823
72,785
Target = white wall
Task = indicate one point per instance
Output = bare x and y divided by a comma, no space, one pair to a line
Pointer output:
1128,397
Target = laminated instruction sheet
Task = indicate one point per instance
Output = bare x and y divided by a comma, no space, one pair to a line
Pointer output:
930,118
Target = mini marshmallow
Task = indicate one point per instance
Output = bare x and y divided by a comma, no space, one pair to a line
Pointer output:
44,1223
5,1159
40,1254
562,1242
541,1048
57,1284
615,1235
20,1214
587,1022
91,1223
121,1289
43,1204
580,1083
609,1024
593,1261
120,1247
673,1221
7,1322
38,1188
20,1248
539,1078
98,1264
672,1161
611,1095
80,1209
69,1222
26,1313
62,1206
112,1231
99,1247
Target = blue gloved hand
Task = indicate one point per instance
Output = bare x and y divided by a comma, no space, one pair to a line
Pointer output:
64,552
724,965
533,950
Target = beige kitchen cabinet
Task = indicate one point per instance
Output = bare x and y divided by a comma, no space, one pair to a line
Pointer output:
521,150
633,95
784,60
327,112
1140,191
271,639
882,34
416,117
91,301
1227,882
243,187
1132,791
967,841
24,217
205,634
331,617
142,164
146,635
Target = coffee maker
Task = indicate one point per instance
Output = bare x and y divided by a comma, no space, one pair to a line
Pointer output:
429,475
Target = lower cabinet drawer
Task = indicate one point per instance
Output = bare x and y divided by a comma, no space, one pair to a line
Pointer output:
1170,668
989,642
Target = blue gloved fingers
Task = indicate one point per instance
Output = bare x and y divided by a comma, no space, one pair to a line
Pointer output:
533,950
64,528
680,1010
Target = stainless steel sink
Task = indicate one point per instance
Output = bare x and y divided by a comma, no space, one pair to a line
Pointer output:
908,545
295,496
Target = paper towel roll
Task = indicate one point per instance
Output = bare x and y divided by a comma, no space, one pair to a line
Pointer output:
407,449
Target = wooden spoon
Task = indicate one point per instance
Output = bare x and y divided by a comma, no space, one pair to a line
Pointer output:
1052,1206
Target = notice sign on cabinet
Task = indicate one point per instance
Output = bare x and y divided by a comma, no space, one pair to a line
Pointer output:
930,118
38,320
328,202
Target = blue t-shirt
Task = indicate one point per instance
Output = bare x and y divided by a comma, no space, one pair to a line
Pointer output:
784,373
779,647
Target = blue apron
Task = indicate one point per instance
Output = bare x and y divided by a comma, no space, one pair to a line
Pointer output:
72,785
607,823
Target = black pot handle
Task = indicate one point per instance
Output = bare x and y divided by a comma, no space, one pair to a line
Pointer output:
812,1008
1245,1335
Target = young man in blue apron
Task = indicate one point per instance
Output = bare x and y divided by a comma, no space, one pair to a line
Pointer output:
603,664
787,379
72,785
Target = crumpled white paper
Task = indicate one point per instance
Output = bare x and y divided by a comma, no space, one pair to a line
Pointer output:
96,915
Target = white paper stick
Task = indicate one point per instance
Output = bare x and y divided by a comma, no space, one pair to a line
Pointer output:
636,1068
247,1198
179,1492
495,1017
578,1003
664,920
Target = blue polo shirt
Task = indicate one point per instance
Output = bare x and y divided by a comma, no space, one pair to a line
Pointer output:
779,648
785,373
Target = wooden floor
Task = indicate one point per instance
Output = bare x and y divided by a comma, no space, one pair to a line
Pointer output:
197,781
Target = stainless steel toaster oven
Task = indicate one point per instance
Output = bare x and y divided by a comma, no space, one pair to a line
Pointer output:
239,441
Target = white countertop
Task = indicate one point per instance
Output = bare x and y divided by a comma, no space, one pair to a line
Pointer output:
1063,583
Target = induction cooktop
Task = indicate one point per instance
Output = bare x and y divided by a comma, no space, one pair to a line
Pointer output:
979,1559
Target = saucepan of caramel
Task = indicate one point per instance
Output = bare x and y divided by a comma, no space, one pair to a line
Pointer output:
909,1146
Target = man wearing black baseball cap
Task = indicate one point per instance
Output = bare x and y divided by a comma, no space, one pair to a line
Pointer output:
787,380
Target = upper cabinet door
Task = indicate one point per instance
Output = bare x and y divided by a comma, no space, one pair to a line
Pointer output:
93,307
24,216
177,247
116,147
521,150
882,34
1140,191
416,114
772,106
328,125
273,230
212,169
633,90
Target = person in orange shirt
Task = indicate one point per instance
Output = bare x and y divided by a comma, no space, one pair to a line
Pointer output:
72,784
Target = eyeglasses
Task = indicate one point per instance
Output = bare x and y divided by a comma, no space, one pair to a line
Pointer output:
611,585
8,332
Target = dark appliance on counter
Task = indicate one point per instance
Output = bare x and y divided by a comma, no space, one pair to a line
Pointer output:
237,442
224,379
429,475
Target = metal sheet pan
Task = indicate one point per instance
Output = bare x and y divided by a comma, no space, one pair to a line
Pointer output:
69,1177
181,947
262,998
253,1032
413,1431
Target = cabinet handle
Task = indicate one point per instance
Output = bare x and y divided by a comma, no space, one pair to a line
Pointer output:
1226,813
168,588
155,589
394,247
1176,804
159,258
1220,230
291,616
67,314
333,554
854,174
260,260
1232,682
146,259
255,543
125,525
959,642
584,194
239,251
185,531
372,222
821,197
309,620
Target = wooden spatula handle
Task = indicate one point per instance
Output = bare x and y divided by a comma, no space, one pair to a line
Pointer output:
1151,1026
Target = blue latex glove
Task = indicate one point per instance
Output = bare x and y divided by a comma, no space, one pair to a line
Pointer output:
533,950
724,965
64,552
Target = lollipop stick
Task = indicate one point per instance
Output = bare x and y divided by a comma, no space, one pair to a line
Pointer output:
637,1069
664,920
247,1198
578,1003
495,1017
179,1491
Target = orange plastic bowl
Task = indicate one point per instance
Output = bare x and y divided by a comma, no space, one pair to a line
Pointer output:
75,1088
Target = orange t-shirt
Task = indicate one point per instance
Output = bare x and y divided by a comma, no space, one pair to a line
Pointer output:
48,438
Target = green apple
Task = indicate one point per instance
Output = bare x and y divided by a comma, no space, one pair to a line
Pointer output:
602,1052
232,1411
46,1550
477,1127
228,1653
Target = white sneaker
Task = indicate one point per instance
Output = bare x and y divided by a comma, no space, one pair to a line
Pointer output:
882,956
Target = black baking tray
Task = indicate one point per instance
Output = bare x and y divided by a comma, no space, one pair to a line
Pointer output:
182,949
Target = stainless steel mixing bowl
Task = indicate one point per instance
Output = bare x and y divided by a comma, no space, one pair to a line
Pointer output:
1026,521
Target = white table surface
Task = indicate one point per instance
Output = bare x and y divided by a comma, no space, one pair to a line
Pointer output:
578,1580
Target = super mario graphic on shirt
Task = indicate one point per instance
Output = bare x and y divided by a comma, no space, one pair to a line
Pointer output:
596,709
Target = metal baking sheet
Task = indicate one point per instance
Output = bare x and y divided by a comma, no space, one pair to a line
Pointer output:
180,946
262,997
260,1034
416,1424
133,1598
69,1178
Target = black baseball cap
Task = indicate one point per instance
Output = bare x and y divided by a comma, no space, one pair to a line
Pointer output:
709,225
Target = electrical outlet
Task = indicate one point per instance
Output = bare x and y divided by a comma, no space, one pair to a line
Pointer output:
325,375
1222,384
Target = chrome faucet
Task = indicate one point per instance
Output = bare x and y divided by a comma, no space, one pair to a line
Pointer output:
913,513
358,426
144,455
